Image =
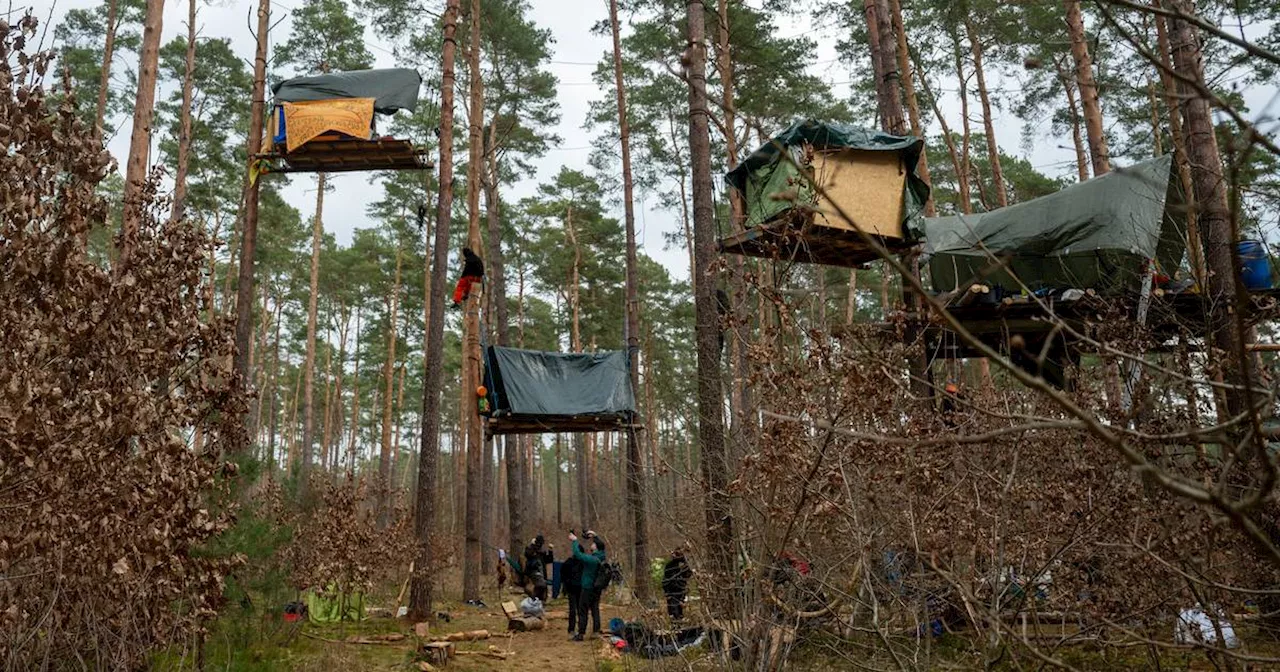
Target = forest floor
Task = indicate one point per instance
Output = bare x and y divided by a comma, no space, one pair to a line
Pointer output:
246,647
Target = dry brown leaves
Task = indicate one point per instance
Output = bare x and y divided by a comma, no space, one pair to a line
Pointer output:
105,376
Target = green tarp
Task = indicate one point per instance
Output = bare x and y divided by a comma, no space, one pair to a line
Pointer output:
535,384
391,88
1093,235
328,607
766,171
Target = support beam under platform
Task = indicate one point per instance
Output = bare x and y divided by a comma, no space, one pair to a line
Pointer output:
347,155
500,426
814,244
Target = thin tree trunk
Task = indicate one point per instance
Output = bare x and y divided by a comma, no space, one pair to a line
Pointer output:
635,462
104,80
706,327
1157,133
962,172
177,212
333,421
355,402
909,92
323,458
388,375
395,443
275,393
308,420
1171,101
424,509
471,328
249,228
1088,90
140,141
988,123
1077,139
851,306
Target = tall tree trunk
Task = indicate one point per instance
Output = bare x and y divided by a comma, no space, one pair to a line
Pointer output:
888,81
104,80
144,105
177,211
706,326
249,228
1088,90
1082,158
909,92
308,420
1212,211
424,509
635,463
988,123
851,306
963,174
388,375
471,328
496,268
395,442
1171,101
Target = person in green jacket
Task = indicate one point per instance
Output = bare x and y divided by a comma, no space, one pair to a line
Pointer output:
592,558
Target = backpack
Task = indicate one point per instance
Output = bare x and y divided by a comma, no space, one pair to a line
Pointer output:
609,572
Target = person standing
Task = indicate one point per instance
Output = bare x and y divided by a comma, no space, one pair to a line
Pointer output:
675,583
592,558
535,568
571,581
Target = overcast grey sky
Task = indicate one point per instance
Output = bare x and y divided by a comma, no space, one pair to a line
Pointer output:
576,51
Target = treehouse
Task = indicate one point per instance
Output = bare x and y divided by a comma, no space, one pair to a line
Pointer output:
327,123
534,392
816,192
1113,246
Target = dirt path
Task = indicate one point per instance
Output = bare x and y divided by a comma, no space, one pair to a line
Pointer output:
542,650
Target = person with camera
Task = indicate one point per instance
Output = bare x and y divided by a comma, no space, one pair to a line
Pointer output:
592,558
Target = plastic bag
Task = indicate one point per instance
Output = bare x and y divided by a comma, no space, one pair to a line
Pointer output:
531,606
1195,626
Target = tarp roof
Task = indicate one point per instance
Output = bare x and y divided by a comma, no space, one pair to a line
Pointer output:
765,170
1069,238
391,88
532,383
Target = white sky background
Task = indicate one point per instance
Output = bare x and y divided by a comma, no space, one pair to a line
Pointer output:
575,52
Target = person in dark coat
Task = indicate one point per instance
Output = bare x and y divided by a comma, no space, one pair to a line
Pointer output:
571,581
535,568
593,559
675,583
472,273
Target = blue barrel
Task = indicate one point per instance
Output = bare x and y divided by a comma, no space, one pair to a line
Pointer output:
1255,265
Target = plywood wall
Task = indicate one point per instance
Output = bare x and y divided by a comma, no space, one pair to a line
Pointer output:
868,187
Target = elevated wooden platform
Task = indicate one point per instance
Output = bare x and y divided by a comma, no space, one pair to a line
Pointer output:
500,426
348,155
1169,317
812,244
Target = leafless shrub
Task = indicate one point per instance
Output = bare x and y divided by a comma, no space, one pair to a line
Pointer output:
104,375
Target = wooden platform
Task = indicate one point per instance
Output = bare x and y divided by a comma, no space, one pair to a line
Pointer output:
499,426
347,155
1169,317
813,244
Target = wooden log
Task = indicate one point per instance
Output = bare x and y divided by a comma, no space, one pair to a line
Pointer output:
468,636
525,624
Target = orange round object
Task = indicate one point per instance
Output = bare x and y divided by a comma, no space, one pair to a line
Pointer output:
951,388
482,391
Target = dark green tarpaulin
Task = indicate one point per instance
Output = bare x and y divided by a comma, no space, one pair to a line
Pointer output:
1093,235
391,88
766,171
532,383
